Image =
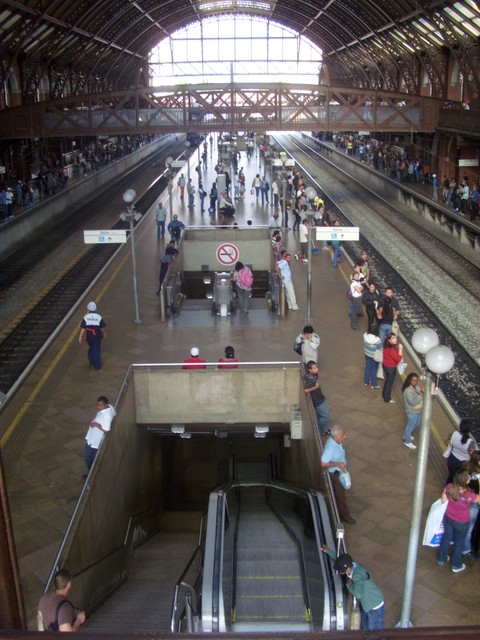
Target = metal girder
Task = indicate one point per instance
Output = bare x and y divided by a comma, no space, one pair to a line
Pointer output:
231,107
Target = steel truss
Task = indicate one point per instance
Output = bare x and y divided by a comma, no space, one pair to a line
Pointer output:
257,107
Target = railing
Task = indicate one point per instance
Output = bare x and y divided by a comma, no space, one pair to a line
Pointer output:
190,612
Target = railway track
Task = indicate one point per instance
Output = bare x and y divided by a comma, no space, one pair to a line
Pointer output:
437,283
28,331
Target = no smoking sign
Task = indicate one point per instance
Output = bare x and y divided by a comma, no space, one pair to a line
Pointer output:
227,254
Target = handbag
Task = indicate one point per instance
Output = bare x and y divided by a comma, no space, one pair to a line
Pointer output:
297,347
434,524
380,371
401,366
345,479
378,355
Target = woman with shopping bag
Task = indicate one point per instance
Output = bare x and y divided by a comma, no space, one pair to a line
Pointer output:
456,520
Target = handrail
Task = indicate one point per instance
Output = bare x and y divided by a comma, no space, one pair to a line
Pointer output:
181,581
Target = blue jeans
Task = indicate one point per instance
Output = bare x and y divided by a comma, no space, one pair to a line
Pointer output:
373,619
89,455
160,229
383,330
335,252
413,422
371,368
389,373
356,311
323,416
467,547
456,532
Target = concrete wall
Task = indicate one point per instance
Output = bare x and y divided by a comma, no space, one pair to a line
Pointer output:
137,476
52,209
199,247
256,395
125,482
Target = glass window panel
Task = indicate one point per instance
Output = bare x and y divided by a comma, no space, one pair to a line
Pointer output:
262,48
211,50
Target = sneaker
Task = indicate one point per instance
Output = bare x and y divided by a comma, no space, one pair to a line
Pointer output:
392,402
441,562
296,257
462,567
410,445
377,387
304,260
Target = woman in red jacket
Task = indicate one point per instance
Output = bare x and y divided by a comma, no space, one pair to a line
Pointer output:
392,355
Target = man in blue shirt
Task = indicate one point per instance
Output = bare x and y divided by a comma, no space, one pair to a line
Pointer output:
333,460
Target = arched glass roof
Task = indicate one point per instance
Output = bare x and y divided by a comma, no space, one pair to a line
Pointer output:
234,47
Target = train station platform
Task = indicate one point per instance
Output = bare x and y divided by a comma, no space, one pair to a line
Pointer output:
48,418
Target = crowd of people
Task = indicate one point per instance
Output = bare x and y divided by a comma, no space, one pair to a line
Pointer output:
55,171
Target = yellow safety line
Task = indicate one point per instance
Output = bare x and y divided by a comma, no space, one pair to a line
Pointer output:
27,405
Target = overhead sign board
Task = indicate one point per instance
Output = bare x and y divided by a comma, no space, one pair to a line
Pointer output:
111,236
176,164
337,233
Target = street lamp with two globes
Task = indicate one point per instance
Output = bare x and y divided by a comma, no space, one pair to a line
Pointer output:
436,360
311,194
132,216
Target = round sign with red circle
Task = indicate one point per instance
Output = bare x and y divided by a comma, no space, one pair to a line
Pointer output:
227,254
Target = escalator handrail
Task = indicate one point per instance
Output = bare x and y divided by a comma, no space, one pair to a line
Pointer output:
213,559
337,590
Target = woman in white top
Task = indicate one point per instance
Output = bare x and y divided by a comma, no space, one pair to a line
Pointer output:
462,445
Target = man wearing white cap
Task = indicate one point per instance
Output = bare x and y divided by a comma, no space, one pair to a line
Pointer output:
194,362
92,329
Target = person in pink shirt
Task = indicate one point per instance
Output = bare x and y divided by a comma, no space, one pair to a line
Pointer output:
456,519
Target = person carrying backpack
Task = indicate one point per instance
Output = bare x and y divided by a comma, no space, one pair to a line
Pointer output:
243,278
55,611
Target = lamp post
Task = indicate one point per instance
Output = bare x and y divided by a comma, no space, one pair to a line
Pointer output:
131,216
284,203
187,153
310,193
436,359
168,162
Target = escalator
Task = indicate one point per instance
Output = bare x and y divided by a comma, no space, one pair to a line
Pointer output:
268,578
264,569
213,292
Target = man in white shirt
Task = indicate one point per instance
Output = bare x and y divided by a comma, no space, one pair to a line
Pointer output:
99,426
284,272
310,341
303,237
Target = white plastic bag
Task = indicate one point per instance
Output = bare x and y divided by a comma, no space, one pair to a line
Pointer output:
434,525
345,479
